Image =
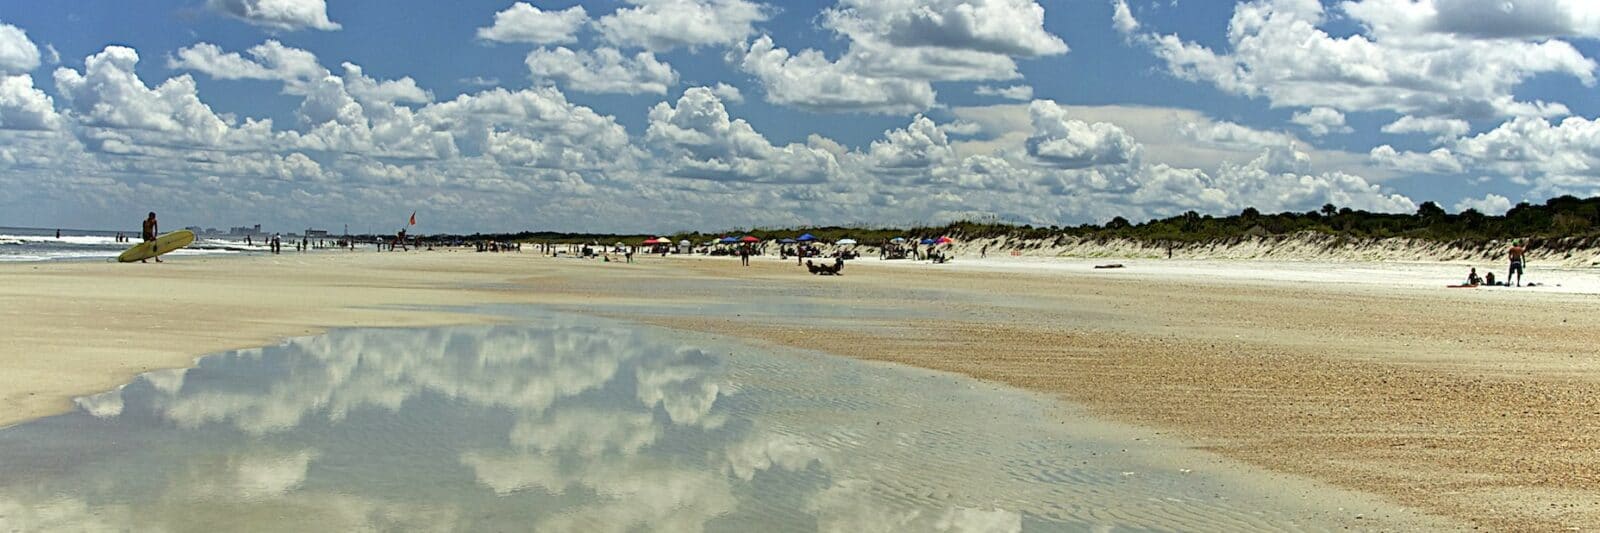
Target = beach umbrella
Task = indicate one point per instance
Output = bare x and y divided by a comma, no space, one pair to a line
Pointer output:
927,241
898,239
944,240
807,237
684,242
786,241
748,238
728,240
847,241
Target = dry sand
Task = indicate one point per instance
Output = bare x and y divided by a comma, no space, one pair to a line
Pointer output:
1480,405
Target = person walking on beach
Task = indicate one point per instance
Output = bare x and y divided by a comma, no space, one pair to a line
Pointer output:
744,254
1516,253
149,232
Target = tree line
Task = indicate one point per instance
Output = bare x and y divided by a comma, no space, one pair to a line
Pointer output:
1567,219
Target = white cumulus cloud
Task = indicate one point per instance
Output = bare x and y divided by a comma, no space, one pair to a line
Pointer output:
728,93
524,23
1320,121
279,14
809,81
602,70
1438,161
1515,19
705,143
1490,204
920,145
1005,27
1442,129
109,94
1122,18
662,25
896,48
1014,92
25,107
1277,50
1068,143
18,54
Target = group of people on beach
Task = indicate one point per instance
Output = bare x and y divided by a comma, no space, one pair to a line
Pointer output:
1518,256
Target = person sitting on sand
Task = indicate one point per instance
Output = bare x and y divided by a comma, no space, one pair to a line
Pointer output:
151,227
1516,252
1473,278
1488,279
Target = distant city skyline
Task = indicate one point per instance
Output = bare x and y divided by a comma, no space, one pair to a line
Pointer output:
655,116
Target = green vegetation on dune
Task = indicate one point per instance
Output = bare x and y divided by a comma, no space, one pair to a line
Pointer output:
1565,222
1567,219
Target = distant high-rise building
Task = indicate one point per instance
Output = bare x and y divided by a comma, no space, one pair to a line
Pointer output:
240,231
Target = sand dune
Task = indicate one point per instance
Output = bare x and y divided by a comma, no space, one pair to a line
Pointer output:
1310,247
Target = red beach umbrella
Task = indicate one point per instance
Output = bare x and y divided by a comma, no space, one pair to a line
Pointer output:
748,238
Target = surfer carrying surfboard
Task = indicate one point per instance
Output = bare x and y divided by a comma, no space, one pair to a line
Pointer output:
151,228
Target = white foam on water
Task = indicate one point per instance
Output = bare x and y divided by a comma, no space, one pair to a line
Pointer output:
64,255
67,239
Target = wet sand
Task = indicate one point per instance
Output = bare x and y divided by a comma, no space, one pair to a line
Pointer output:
1479,405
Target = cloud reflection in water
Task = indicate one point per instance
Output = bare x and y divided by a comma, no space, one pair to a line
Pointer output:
559,425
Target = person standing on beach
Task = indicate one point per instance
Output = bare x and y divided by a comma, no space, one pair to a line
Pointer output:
1516,252
744,254
149,232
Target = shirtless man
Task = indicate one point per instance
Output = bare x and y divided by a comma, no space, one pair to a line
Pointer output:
1516,252
150,230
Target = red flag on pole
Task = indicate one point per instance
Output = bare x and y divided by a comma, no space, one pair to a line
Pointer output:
413,218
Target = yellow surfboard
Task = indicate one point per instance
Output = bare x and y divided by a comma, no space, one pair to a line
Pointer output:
164,243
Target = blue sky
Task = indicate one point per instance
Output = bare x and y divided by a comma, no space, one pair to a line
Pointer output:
663,115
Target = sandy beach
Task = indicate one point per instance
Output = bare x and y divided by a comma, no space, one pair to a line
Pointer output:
1481,405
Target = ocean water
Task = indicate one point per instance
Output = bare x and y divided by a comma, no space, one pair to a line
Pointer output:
36,244
559,423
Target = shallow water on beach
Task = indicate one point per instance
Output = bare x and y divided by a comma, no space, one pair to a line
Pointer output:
561,423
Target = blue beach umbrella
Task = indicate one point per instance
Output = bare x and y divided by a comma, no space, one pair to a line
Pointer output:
786,241
898,239
927,241
807,237
728,240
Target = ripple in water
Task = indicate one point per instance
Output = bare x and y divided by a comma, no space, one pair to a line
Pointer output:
568,424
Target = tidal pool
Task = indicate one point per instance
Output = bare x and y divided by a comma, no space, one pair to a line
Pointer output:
566,423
